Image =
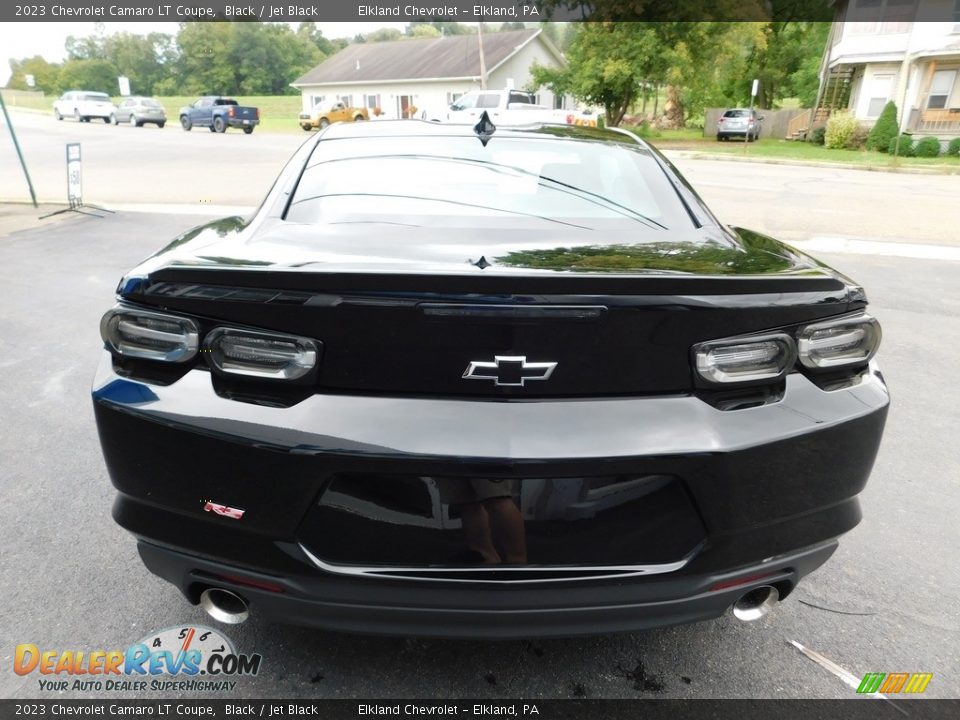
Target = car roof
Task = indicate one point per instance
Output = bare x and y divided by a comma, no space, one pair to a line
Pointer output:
426,128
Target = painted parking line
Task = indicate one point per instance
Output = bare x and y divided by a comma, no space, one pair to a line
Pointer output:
852,246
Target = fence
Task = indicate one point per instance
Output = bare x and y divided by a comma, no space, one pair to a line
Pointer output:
776,123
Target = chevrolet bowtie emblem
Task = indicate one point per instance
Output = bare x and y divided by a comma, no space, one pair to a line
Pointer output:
509,370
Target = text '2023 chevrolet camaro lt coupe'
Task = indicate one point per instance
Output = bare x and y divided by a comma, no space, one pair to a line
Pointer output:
493,382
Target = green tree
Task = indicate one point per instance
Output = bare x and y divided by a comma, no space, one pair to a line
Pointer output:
97,75
606,65
885,129
143,59
422,30
46,75
383,35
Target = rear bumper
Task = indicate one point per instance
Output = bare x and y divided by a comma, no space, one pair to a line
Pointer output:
426,610
241,123
770,487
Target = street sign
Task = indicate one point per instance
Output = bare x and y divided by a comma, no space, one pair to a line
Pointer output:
756,86
124,83
74,175
31,80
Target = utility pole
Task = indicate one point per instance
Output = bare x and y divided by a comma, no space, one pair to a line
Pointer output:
16,146
483,62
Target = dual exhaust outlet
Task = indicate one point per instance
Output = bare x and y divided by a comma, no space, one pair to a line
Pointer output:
228,607
756,603
225,606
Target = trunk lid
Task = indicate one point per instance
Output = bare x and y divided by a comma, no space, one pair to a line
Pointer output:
412,313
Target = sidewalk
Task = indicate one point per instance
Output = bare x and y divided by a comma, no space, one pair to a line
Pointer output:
766,160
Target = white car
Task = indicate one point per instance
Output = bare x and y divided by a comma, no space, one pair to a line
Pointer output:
83,105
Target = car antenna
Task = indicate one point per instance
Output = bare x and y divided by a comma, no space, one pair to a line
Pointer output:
485,128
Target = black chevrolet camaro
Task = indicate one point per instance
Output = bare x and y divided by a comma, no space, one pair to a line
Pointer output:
492,382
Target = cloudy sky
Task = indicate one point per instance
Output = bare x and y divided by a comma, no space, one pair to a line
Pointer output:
26,39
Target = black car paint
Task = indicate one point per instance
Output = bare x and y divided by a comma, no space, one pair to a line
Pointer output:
759,484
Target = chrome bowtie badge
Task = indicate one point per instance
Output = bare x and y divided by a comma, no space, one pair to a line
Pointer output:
509,370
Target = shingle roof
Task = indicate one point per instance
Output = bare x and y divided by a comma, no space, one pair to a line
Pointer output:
455,56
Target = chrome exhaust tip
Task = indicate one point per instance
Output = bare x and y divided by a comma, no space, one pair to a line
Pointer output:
225,606
755,604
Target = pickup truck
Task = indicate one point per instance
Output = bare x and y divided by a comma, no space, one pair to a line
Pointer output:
320,117
507,107
219,113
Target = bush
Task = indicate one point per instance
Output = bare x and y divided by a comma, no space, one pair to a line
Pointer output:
906,146
840,128
928,147
953,149
858,140
884,129
817,136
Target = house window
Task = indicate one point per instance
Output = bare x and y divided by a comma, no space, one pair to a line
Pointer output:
879,94
956,16
559,102
371,101
940,88
881,17
347,100
452,97
318,99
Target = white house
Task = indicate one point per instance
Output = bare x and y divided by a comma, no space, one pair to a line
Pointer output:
907,51
406,77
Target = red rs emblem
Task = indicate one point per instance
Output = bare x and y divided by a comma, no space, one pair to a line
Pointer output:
232,513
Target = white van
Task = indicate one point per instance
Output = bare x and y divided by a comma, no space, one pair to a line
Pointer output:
83,105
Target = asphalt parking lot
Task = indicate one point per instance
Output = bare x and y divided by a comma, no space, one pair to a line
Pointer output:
888,601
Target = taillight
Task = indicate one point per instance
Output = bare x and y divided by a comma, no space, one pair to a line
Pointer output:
133,333
257,113
260,355
230,111
845,341
745,359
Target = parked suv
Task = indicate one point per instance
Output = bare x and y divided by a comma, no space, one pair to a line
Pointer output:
140,110
739,122
83,105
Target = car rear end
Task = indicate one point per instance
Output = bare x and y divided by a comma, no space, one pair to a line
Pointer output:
96,105
482,425
148,110
737,123
241,116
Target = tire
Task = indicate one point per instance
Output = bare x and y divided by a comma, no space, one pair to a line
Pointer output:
57,115
211,128
160,125
324,123
112,119
308,128
359,118
219,125
247,130
76,115
185,123
133,120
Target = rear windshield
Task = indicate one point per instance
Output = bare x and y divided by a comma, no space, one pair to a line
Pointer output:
149,102
225,101
97,97
737,113
510,183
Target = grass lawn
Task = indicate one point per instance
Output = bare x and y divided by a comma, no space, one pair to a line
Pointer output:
803,151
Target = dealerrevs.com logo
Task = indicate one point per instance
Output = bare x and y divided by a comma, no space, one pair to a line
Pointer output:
190,658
